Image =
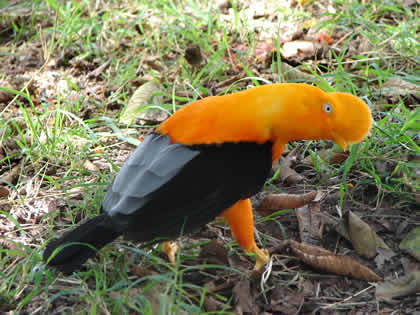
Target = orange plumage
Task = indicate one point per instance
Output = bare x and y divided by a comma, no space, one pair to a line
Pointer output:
206,160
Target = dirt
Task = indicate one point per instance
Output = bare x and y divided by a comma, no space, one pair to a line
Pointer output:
288,286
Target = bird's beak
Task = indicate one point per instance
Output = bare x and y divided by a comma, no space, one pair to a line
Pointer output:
341,143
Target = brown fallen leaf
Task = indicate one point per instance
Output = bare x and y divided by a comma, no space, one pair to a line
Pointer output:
152,62
311,226
243,297
4,192
323,259
214,253
286,301
396,90
286,173
6,96
403,286
274,202
12,176
211,304
337,224
396,86
329,156
215,286
341,226
363,238
88,165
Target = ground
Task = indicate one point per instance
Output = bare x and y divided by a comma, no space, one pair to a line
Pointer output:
81,82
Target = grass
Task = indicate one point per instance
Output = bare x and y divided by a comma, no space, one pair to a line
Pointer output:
54,136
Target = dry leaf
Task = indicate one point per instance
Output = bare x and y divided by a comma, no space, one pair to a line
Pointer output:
286,301
361,235
298,48
153,62
406,285
4,192
411,243
136,107
325,260
286,173
12,176
242,293
363,238
310,222
337,224
215,285
396,89
384,254
6,96
275,202
88,165
396,86
215,253
211,304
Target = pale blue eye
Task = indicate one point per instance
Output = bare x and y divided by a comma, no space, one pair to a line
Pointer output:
327,108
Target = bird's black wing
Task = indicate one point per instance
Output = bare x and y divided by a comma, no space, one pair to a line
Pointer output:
150,166
189,187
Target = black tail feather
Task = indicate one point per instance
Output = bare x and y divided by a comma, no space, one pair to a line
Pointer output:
97,232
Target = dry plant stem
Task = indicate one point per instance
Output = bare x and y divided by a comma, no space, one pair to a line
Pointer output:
348,298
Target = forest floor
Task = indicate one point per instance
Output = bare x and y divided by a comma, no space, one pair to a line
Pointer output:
69,120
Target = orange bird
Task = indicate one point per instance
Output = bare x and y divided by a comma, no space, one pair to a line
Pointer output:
206,160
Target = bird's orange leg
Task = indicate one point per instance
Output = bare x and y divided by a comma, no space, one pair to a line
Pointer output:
241,222
170,248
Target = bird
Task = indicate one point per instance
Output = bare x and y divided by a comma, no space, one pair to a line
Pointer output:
207,160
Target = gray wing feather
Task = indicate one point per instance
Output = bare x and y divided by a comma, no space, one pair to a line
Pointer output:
151,165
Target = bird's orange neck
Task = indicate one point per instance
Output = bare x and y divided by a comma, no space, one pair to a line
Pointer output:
265,113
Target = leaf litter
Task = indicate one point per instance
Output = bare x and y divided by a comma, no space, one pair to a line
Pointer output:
292,286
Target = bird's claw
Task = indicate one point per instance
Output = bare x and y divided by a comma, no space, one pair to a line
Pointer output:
263,257
170,249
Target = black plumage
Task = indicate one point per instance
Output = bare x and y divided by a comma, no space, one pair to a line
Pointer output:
165,190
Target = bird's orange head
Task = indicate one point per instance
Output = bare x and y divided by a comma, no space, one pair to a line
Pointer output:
305,112
349,120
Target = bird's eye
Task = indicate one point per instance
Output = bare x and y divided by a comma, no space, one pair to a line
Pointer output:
327,108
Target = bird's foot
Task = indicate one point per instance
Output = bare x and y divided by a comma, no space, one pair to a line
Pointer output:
263,257
170,249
